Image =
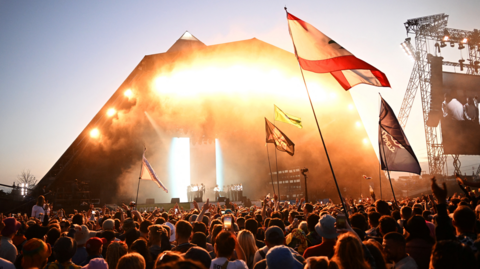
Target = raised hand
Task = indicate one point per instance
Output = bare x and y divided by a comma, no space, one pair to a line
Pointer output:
439,193
195,205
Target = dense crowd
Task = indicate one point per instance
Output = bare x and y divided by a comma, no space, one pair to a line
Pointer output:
434,231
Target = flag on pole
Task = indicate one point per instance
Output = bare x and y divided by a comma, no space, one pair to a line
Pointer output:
281,141
318,53
396,154
148,173
284,117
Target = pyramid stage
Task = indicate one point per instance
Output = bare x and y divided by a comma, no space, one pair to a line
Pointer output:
199,110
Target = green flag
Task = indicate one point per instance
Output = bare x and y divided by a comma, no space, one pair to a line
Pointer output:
284,117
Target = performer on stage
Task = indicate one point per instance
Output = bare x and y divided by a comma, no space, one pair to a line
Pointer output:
217,192
189,193
202,191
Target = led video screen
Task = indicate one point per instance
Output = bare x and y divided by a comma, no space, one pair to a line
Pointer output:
460,114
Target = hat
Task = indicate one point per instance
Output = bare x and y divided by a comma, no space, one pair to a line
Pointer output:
81,234
93,244
97,263
108,225
282,257
228,211
274,233
326,227
198,254
11,226
35,247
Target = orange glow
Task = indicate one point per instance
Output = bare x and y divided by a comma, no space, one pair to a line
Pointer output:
94,133
111,112
128,93
358,124
365,141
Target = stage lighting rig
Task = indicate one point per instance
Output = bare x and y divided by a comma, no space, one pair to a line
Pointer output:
408,49
462,63
446,35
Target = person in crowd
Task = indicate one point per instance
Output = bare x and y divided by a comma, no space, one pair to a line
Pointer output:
114,252
373,218
64,250
279,257
376,249
247,243
326,229
252,226
144,229
81,236
198,254
168,257
387,224
8,251
274,236
359,224
37,210
349,252
155,233
131,261
394,246
225,245
313,238
183,235
419,243
140,246
405,214
35,254
94,247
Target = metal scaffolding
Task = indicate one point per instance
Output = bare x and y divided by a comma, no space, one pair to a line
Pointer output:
434,28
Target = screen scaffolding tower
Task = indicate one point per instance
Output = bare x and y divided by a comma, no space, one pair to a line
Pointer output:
434,28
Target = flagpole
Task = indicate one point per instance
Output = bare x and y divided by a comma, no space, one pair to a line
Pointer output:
388,171
380,178
140,175
276,160
318,127
271,174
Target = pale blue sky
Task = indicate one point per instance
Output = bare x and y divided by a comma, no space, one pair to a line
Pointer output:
60,61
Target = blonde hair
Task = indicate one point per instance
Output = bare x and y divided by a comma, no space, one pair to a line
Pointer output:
303,226
349,252
248,244
131,261
114,252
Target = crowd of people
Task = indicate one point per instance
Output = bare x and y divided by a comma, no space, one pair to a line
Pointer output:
431,231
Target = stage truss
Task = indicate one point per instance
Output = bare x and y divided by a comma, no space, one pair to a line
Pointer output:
434,28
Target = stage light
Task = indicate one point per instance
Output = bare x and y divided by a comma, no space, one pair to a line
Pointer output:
111,112
219,164
461,46
179,167
358,123
365,141
350,106
465,40
128,93
94,133
452,44
446,35
442,44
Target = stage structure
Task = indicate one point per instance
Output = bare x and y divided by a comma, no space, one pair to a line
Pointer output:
199,110
426,77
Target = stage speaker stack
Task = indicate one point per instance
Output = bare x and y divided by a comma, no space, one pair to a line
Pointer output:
198,199
175,200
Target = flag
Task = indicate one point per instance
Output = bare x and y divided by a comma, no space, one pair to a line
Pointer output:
396,154
281,141
284,117
367,178
318,53
147,173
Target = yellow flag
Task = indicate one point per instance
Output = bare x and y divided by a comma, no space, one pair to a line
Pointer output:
284,117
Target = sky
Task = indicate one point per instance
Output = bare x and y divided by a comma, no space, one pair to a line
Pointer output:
60,61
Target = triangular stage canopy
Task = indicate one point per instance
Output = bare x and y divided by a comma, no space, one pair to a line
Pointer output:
215,99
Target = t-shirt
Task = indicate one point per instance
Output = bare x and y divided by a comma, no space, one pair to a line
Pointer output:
8,251
36,210
326,248
4,264
406,263
236,264
172,231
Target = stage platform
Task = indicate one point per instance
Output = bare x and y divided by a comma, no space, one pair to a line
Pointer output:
186,206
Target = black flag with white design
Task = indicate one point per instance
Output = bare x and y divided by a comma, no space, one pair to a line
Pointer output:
277,137
396,154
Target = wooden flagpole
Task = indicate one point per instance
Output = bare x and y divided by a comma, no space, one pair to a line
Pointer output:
271,174
318,127
388,172
276,161
140,176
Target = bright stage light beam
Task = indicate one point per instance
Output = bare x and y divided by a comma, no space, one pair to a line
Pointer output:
179,167
219,164
111,112
365,141
94,133
359,124
350,106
